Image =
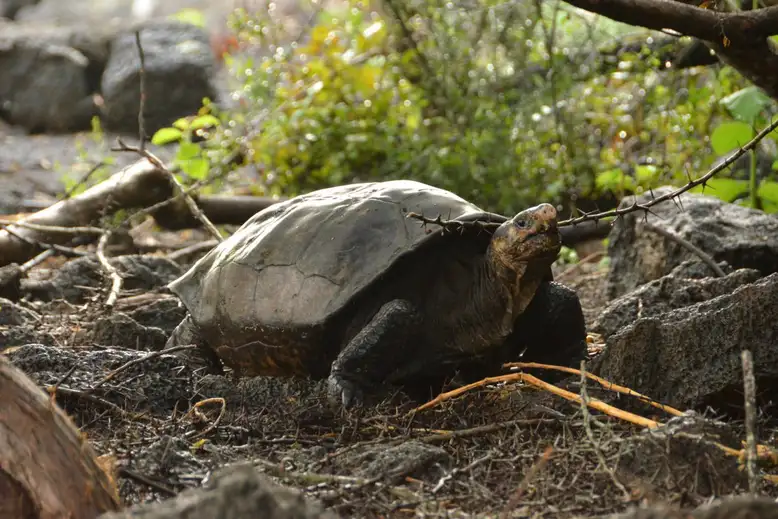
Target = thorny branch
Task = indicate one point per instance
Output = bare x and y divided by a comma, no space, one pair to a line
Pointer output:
454,225
590,434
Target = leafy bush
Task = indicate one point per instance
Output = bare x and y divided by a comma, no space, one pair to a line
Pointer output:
505,104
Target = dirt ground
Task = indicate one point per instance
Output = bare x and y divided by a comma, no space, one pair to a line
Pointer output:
505,449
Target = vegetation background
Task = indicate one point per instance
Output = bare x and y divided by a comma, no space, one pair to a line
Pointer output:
505,103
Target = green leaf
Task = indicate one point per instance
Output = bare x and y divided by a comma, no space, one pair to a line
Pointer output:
614,180
775,165
768,191
746,104
181,123
166,136
195,168
188,150
727,189
205,121
729,136
646,173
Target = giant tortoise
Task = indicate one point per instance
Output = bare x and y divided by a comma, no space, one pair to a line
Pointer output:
341,283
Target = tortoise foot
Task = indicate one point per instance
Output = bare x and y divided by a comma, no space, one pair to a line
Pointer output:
344,392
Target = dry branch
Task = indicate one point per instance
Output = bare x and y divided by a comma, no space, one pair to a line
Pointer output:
44,459
139,185
604,383
740,38
742,27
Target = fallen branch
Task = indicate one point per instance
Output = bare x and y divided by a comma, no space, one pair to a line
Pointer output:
742,27
604,383
534,381
749,394
116,278
764,452
47,469
139,185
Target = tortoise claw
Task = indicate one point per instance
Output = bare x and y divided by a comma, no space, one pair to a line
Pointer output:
344,392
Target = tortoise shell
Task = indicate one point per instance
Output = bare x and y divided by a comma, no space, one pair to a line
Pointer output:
262,297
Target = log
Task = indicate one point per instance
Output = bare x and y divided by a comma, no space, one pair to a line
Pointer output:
138,185
47,469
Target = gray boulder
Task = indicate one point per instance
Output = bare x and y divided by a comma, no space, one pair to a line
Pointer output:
739,236
44,86
687,284
180,68
237,492
9,8
690,357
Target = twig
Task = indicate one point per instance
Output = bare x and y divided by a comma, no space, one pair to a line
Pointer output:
66,251
37,260
590,434
116,278
480,430
91,398
604,383
140,478
702,181
705,257
534,381
134,362
53,228
525,481
196,212
749,393
212,426
81,181
442,481
142,99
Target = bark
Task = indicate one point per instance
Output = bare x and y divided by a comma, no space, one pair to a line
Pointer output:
739,38
47,469
138,185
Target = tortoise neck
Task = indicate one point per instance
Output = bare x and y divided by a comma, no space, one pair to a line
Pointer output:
499,292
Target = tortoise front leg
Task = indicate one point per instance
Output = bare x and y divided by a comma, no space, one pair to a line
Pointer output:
552,328
377,350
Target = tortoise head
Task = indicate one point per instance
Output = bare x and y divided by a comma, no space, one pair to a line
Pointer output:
529,237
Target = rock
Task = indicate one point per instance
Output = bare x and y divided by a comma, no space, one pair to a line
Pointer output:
44,86
391,464
9,8
236,492
77,279
686,285
121,330
739,236
179,74
690,357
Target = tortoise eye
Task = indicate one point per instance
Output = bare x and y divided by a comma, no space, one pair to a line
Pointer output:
521,224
